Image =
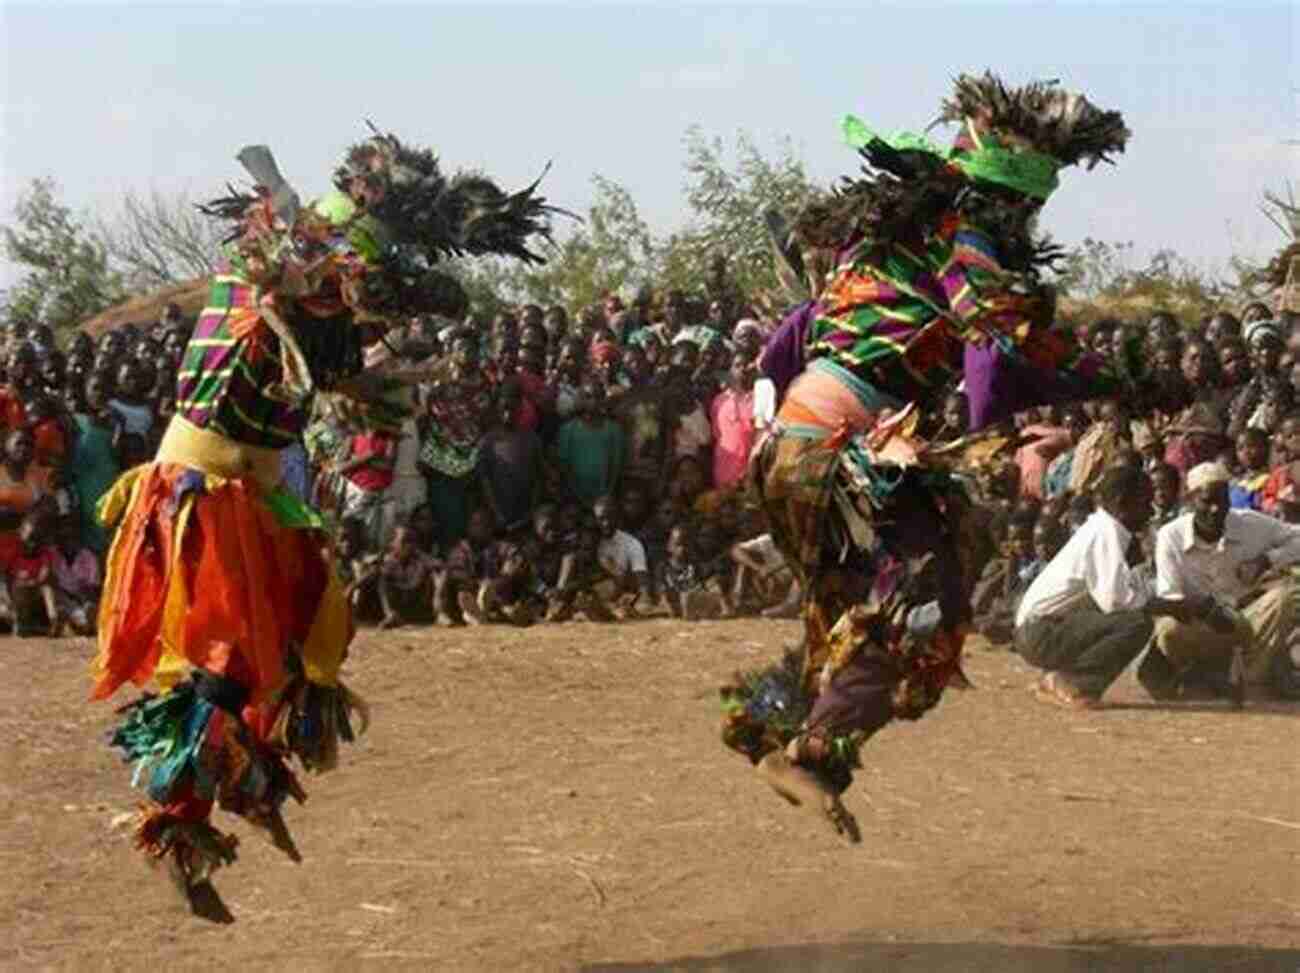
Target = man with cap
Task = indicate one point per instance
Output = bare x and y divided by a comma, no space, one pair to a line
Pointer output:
1240,558
1089,613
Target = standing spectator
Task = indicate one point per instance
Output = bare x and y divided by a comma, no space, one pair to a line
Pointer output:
732,415
510,463
589,449
367,474
459,401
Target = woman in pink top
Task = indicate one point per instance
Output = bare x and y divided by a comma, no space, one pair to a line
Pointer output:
732,418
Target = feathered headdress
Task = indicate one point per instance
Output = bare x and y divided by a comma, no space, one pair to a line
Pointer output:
420,207
379,235
1003,164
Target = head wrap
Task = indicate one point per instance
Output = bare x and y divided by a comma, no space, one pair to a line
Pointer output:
1263,329
603,352
1026,171
1207,474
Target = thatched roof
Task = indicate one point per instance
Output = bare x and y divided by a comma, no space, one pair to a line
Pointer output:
190,296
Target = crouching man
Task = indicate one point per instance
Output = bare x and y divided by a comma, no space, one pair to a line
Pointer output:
1089,613
1241,560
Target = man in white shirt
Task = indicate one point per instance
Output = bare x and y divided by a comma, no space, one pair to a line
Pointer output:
1240,559
1088,614
622,557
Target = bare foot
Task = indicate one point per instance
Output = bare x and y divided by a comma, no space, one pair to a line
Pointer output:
801,787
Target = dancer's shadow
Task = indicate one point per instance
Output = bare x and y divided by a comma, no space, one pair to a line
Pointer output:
1263,707
1093,957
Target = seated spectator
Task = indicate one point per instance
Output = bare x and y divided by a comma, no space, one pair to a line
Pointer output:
1088,614
468,565
77,579
1246,489
761,568
357,568
506,592
407,580
31,579
566,580
1006,578
689,575
622,558
1235,560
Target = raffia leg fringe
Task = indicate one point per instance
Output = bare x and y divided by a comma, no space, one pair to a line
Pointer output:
198,849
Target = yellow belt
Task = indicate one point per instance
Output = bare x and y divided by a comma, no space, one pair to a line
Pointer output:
212,453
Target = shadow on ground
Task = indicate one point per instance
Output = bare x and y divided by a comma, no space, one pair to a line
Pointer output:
979,958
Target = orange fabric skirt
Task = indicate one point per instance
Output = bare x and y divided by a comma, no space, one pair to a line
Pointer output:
201,573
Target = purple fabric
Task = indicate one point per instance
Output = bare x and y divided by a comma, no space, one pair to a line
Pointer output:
999,385
783,356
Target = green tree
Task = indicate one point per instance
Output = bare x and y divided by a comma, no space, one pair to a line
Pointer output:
727,192
68,275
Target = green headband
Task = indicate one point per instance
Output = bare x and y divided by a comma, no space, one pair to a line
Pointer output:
367,235
1024,170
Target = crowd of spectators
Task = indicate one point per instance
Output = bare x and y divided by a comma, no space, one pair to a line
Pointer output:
1215,413
595,465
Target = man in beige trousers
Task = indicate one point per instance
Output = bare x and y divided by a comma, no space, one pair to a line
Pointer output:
1242,559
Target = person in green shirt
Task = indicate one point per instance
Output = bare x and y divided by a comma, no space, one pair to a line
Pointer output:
589,448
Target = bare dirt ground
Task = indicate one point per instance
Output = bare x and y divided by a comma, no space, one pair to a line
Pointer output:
557,799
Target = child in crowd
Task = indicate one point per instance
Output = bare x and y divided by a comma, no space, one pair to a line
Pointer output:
1005,579
366,476
407,581
686,578
357,568
77,578
1246,490
31,579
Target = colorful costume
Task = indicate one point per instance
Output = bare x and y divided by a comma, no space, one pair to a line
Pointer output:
934,282
219,584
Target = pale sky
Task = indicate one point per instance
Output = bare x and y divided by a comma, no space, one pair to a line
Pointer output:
108,97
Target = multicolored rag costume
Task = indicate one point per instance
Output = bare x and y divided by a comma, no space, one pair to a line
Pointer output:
934,282
219,584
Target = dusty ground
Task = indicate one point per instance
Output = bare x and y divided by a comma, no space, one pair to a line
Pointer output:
557,799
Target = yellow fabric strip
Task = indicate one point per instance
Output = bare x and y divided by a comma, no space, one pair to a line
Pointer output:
210,452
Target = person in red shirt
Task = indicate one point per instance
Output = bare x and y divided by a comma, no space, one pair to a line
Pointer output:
367,475
31,578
